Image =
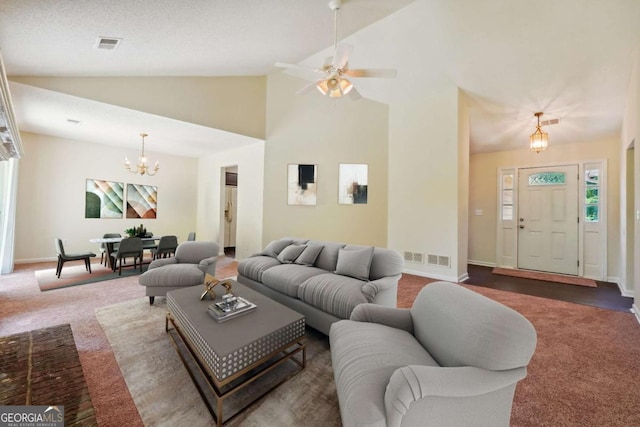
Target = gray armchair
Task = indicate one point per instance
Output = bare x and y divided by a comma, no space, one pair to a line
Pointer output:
192,261
453,359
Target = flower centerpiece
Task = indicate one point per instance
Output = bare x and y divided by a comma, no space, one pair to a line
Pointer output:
136,231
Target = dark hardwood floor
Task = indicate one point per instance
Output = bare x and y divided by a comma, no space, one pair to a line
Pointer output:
606,295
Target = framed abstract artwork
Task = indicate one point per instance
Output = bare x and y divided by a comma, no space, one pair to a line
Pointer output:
103,199
142,201
352,184
302,184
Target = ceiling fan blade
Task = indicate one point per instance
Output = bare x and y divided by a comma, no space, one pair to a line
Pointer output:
354,94
307,88
343,51
300,71
372,72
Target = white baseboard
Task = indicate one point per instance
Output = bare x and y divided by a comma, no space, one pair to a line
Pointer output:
431,275
481,263
624,292
635,309
30,261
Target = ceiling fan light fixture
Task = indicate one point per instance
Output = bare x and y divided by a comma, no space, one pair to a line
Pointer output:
323,87
539,140
345,86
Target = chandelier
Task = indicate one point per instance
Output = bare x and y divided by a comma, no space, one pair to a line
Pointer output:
141,167
538,141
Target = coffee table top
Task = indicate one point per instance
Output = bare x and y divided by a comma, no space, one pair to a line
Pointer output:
231,346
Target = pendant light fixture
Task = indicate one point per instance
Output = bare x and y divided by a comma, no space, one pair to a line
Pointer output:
141,168
538,141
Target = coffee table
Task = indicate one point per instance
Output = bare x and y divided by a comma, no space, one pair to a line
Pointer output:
235,353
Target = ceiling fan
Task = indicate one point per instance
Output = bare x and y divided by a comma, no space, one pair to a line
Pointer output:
333,80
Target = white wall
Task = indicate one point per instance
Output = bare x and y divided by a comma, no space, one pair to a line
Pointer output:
51,195
250,162
629,138
312,129
426,144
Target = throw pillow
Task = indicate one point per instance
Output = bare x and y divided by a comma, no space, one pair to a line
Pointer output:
275,247
290,253
309,255
355,262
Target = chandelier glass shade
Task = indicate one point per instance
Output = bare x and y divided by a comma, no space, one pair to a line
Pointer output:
539,140
141,167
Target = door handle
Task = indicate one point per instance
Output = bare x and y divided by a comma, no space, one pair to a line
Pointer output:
521,226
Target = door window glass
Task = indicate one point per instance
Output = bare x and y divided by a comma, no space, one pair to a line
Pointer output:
547,178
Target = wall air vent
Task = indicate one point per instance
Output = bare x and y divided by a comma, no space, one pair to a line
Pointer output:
108,43
74,122
439,260
416,257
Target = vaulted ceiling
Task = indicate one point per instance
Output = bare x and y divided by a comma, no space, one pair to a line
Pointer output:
571,59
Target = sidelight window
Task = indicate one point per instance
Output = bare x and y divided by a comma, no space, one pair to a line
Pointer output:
592,195
507,197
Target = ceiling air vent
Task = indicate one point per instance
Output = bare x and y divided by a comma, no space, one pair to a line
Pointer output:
108,43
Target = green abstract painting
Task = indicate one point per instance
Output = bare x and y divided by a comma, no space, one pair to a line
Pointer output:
103,199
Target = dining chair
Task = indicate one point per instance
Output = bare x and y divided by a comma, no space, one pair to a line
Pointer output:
64,257
149,245
166,246
191,237
104,250
129,247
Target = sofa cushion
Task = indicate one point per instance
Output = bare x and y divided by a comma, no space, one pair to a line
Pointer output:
253,267
290,253
354,262
332,293
328,257
364,356
309,255
385,263
275,247
286,278
173,275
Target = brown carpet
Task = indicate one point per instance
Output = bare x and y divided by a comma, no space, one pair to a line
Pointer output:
548,277
42,367
585,371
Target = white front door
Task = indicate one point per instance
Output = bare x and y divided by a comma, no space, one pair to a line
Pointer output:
548,219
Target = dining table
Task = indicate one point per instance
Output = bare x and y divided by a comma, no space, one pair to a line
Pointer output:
110,241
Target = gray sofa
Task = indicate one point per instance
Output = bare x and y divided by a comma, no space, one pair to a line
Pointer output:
324,281
453,359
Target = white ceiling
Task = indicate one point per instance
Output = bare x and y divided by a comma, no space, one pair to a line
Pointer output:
571,59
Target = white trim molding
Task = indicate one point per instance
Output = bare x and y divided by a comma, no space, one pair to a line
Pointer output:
431,275
481,263
635,309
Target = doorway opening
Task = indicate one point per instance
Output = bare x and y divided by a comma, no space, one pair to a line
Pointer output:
230,209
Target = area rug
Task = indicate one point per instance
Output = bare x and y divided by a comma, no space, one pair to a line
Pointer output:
42,367
584,372
547,277
165,394
73,275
